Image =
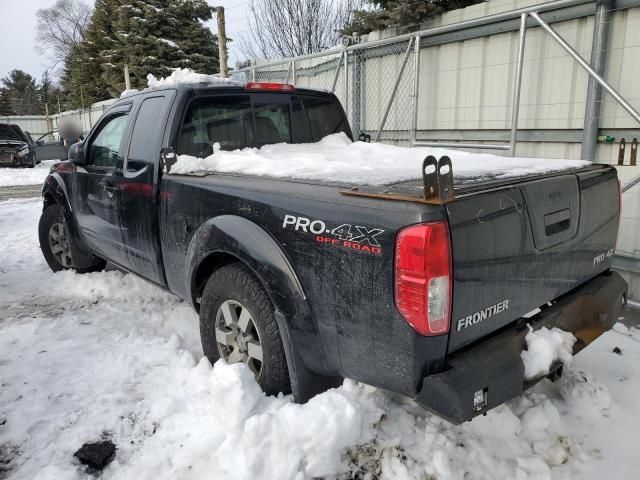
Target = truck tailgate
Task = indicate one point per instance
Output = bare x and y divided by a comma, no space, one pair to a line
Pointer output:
519,246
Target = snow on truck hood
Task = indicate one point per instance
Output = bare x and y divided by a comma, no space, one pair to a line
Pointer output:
336,158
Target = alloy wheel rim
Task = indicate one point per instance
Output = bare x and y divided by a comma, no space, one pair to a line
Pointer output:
237,336
59,245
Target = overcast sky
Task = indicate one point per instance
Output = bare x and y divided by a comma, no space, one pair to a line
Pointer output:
18,33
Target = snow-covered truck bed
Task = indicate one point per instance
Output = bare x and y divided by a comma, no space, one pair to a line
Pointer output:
311,258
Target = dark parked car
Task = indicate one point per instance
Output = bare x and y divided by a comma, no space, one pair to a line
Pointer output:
308,282
16,147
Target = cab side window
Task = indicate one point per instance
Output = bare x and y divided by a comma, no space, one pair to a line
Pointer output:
105,150
146,136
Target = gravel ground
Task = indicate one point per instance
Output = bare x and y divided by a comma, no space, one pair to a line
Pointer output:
19,191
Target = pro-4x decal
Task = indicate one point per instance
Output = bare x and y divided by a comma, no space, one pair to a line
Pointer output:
355,237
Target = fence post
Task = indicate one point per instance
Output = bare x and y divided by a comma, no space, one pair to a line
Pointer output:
394,90
416,87
286,80
517,83
335,77
594,90
346,83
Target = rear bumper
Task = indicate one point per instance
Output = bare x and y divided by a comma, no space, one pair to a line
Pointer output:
494,365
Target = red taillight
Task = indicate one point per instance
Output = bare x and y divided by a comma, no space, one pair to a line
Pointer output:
284,87
423,281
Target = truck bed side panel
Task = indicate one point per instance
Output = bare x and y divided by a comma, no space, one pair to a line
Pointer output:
350,291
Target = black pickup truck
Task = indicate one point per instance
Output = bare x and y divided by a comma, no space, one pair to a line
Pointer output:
424,288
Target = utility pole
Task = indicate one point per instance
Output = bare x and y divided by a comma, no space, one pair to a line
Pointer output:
82,111
127,80
47,120
222,42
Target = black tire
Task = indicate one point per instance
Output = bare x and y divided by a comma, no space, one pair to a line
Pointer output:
52,216
236,283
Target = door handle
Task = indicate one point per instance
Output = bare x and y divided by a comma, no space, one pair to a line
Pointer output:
108,187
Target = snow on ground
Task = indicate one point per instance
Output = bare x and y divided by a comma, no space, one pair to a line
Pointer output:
336,158
25,176
84,357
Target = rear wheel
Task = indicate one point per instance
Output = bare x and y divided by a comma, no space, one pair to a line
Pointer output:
237,324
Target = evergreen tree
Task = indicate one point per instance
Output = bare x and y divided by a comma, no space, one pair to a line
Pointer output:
152,36
46,91
156,36
21,91
5,104
400,13
87,65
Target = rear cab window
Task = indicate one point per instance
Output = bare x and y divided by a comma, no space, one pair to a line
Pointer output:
224,119
236,121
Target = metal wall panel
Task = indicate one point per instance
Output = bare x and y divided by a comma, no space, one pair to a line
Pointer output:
36,125
468,84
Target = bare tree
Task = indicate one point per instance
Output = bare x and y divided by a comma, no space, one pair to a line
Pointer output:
61,27
287,28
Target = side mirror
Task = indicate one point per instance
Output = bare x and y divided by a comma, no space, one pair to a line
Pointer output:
76,154
40,142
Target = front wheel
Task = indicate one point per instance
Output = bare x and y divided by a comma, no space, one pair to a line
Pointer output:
237,324
54,242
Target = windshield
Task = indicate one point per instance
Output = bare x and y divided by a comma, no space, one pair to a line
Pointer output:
12,132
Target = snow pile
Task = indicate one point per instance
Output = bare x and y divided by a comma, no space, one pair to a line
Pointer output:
25,176
178,76
336,158
544,347
109,355
583,392
218,420
185,75
522,440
